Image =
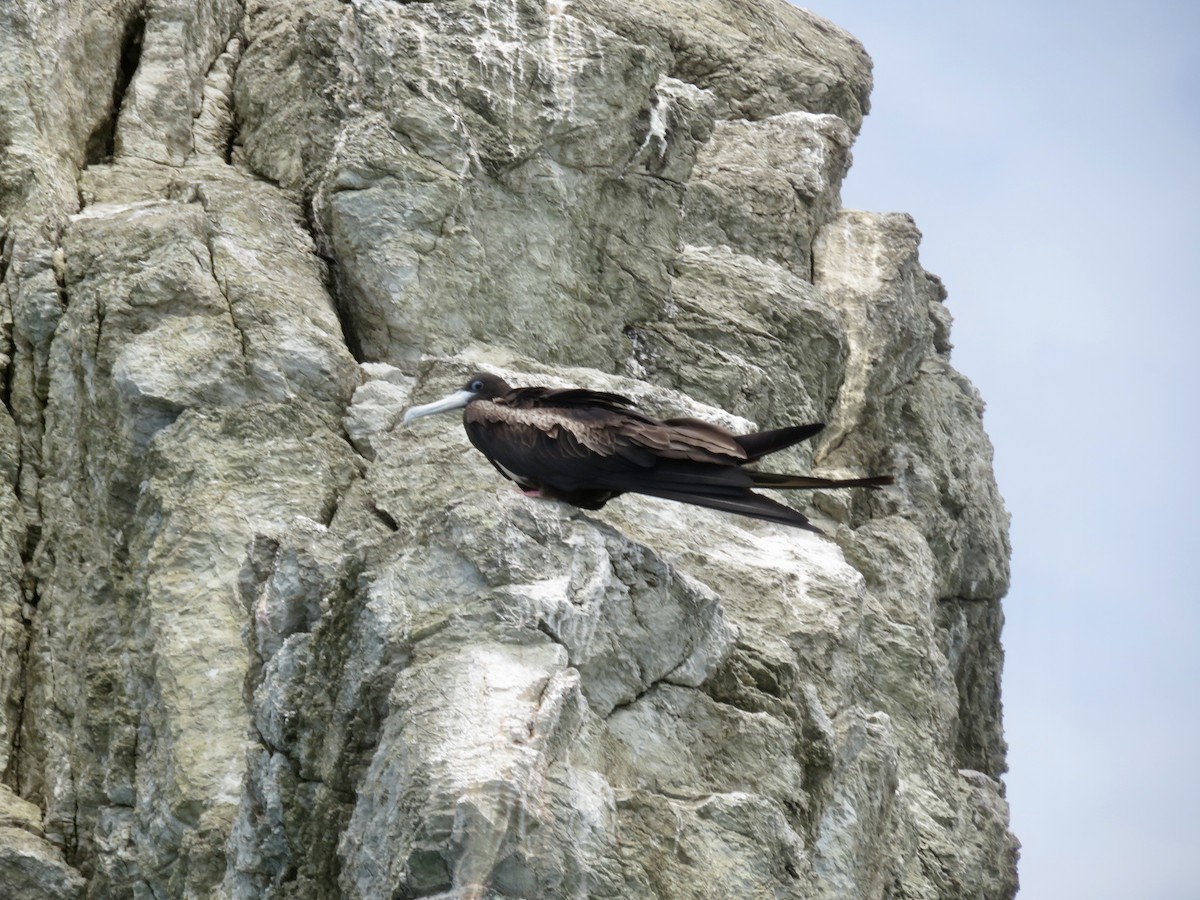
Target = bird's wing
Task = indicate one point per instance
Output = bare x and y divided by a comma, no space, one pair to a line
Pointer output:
610,425
603,421
599,429
700,441
570,398
682,439
565,449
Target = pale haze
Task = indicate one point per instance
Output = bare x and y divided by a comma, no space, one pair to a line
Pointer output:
1049,154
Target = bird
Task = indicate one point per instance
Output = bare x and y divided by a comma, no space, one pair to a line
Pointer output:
586,447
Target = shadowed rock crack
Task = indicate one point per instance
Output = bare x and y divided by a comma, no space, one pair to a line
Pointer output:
5,256
333,282
102,142
233,319
383,516
544,627
636,697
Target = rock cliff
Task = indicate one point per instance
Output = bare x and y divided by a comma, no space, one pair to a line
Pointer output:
258,641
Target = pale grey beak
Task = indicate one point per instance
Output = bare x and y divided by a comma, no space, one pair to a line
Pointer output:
457,400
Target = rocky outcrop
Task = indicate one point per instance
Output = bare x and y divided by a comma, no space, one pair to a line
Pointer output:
257,640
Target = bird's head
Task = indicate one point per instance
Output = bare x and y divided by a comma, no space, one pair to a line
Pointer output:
480,386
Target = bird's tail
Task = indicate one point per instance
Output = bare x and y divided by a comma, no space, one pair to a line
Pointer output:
728,488
762,443
746,503
781,481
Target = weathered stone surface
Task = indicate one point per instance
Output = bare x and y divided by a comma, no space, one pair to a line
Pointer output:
13,623
765,188
971,632
761,58
30,866
745,334
915,414
258,640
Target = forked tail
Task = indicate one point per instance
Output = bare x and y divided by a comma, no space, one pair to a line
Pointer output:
762,443
783,481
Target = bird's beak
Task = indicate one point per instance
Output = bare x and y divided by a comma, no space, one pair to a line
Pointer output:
457,400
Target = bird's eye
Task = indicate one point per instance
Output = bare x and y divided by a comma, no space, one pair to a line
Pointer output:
476,386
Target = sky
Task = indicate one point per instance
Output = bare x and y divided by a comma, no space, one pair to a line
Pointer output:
1049,152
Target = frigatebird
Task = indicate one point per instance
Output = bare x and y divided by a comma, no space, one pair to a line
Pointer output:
587,447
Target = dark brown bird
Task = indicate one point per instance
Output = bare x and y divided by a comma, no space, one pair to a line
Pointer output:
586,447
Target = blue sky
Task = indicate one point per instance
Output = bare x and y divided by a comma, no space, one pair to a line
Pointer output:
1049,153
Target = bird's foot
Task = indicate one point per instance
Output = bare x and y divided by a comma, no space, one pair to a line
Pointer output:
531,493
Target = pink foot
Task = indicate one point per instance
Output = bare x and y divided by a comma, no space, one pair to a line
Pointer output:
534,493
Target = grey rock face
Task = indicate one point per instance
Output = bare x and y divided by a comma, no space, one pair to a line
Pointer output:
257,640
30,866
